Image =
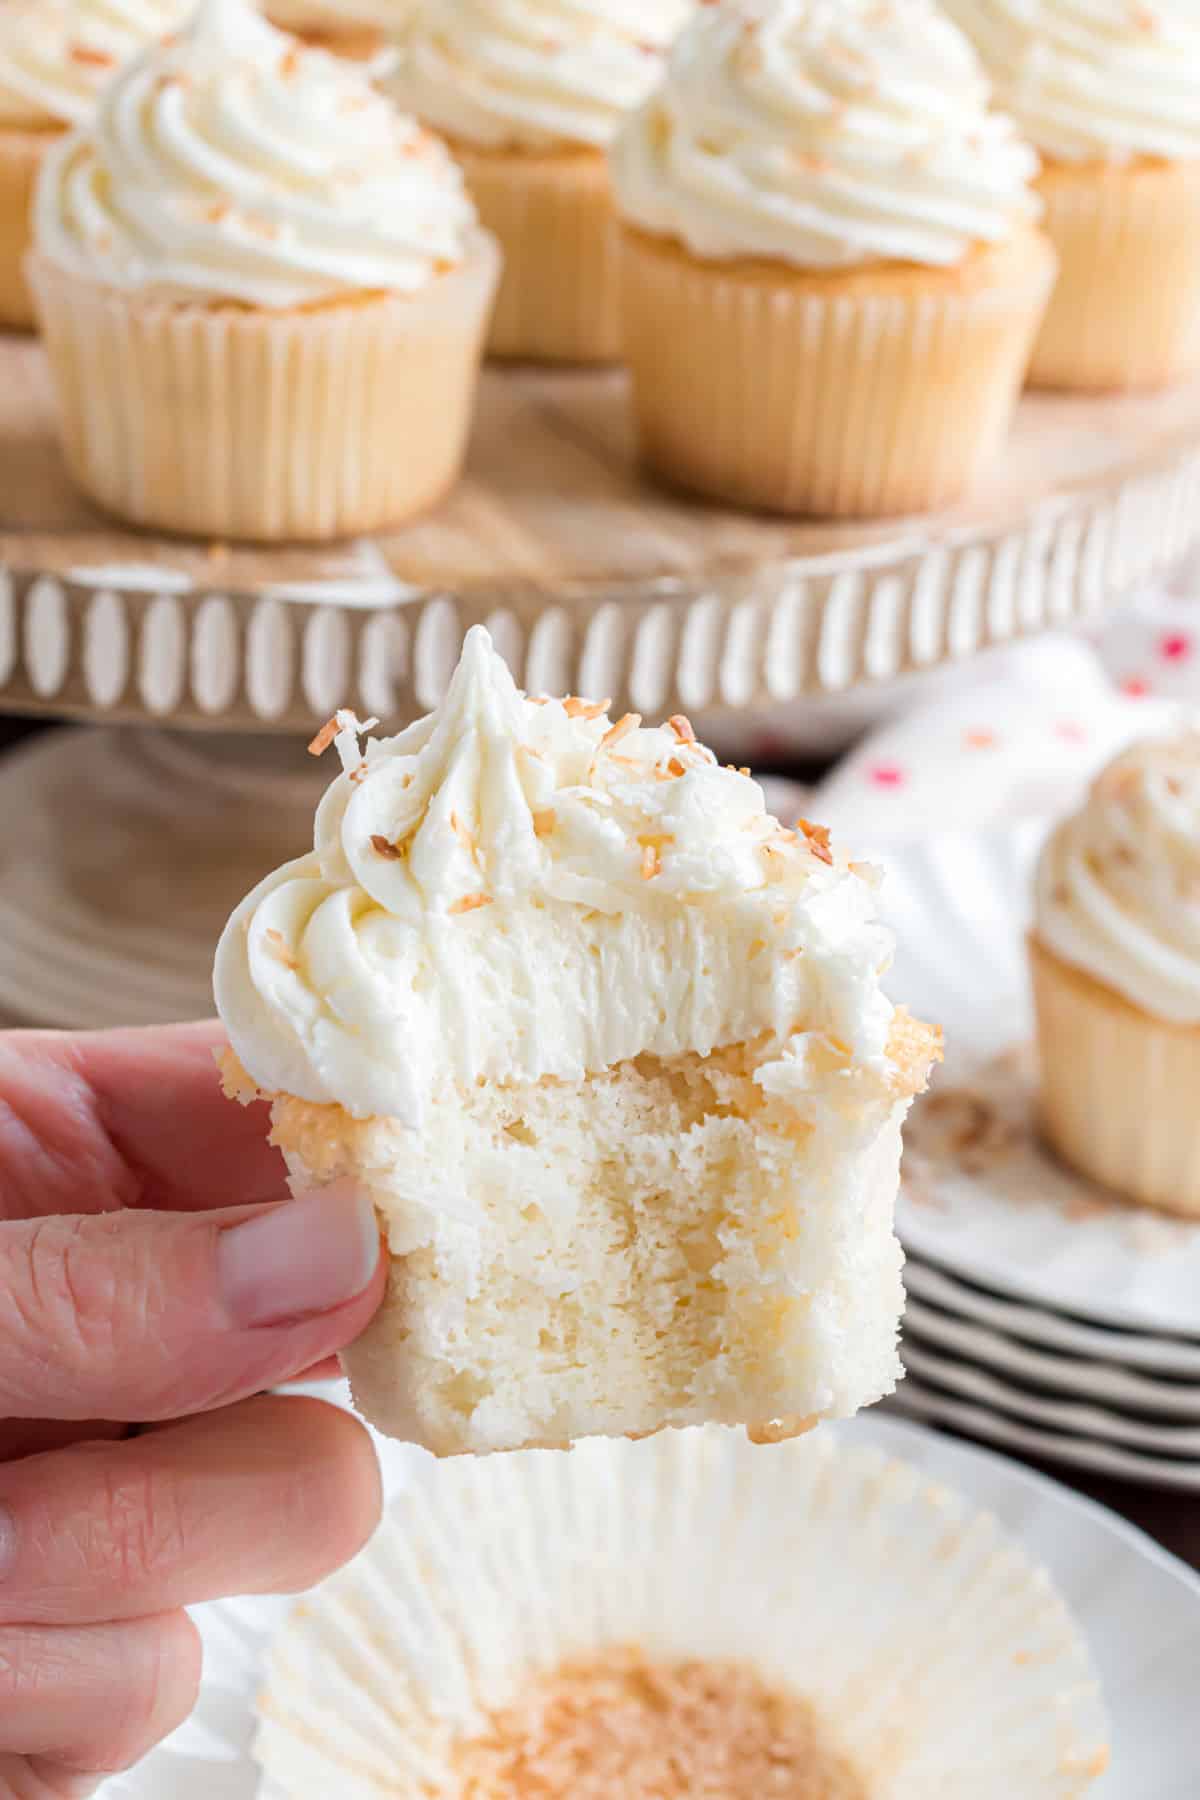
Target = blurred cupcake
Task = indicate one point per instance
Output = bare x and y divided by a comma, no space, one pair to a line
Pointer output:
56,56
530,96
685,1617
1116,969
263,292
359,29
1110,95
826,221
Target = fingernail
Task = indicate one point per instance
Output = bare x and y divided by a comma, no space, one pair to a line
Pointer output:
304,1256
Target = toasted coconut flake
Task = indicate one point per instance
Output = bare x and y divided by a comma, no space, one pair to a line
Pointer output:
91,57
682,728
470,903
624,725
277,944
463,835
384,847
324,737
675,767
818,840
544,822
575,708
651,862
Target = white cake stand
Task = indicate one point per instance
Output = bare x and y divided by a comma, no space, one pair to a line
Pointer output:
124,849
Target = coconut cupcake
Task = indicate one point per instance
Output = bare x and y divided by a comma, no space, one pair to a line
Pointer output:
530,97
1116,968
1110,95
684,1618
824,220
263,292
56,57
608,1048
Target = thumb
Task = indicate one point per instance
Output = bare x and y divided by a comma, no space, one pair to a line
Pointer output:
145,1316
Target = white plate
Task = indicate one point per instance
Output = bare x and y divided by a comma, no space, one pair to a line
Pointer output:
1139,1607
1129,1349
1094,1381
1048,1412
982,1197
919,1401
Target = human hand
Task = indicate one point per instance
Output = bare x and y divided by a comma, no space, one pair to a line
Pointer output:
150,1276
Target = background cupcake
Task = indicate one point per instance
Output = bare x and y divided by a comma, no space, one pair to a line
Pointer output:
263,292
1116,966
55,58
529,97
360,29
826,220
1110,95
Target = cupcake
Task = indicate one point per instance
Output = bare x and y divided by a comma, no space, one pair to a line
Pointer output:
263,292
685,1618
1116,976
608,1049
1110,95
56,57
832,274
529,98
359,29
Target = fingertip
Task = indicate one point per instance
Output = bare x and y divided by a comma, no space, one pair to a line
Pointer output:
335,1494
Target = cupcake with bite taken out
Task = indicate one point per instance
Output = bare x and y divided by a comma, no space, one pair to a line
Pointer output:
263,292
56,57
1110,95
833,274
1116,974
529,97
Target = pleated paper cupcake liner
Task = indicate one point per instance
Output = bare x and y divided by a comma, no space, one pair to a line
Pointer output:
560,296
1126,309
21,156
233,422
833,398
1120,1090
935,1656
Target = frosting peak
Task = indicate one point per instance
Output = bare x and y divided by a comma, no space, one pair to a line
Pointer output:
1118,886
515,888
233,164
1093,79
534,73
825,133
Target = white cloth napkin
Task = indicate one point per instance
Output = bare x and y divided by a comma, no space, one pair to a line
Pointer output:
1016,734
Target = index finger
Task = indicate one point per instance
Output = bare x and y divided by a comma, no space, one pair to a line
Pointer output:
91,1121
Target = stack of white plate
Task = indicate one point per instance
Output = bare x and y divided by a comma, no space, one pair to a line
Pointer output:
1045,1314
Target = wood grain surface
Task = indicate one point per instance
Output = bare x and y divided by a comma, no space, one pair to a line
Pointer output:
553,499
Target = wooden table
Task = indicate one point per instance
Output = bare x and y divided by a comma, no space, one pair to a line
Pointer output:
1173,1520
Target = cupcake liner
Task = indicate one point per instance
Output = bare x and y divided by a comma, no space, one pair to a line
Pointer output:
1119,1089
560,296
231,422
862,395
21,155
1126,310
935,1655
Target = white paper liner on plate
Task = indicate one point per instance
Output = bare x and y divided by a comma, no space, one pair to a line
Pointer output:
982,1196
935,1653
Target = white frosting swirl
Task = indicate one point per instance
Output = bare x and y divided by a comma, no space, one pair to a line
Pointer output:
825,133
232,164
1093,79
534,73
56,56
1118,885
512,889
